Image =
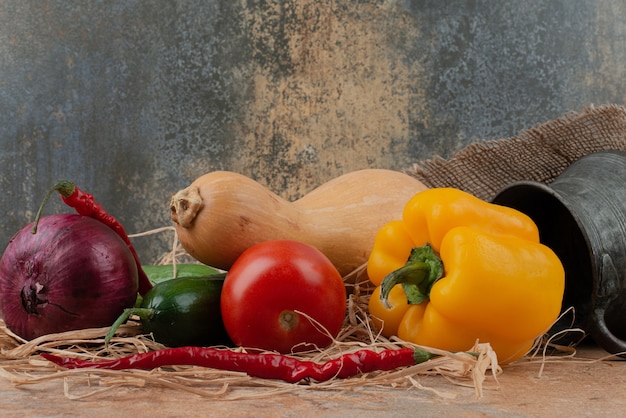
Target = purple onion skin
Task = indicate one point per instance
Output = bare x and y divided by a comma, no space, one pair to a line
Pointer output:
74,273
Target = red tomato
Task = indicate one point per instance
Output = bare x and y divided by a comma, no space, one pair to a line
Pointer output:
271,291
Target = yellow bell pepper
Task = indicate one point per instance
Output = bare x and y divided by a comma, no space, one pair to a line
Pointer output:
457,269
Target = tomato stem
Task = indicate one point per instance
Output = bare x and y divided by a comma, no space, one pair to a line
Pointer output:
288,320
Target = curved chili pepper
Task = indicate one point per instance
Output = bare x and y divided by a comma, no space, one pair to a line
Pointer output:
85,204
262,365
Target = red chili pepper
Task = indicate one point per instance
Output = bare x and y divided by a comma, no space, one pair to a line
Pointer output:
263,365
85,204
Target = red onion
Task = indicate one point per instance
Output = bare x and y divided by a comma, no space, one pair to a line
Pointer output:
74,273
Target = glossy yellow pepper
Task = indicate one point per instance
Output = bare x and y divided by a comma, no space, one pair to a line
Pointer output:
457,269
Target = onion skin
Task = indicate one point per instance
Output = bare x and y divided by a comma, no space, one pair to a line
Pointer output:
74,273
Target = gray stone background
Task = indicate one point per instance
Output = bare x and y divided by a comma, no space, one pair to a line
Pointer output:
133,100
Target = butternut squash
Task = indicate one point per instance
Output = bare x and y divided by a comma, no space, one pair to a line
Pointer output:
222,213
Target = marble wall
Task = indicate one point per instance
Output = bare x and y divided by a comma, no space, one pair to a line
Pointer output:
133,100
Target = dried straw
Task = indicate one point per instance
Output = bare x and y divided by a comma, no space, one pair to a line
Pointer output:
21,364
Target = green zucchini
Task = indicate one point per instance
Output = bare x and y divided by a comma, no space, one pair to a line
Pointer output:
184,311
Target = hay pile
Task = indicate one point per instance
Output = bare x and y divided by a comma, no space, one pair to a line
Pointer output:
21,363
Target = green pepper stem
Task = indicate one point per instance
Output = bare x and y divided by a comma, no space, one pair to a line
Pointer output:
64,187
422,269
421,356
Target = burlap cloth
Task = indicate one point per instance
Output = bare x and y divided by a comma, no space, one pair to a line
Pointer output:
538,154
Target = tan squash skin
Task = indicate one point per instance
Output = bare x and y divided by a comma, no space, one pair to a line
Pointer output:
222,213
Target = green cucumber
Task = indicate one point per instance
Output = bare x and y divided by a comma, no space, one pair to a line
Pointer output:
160,273
184,311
